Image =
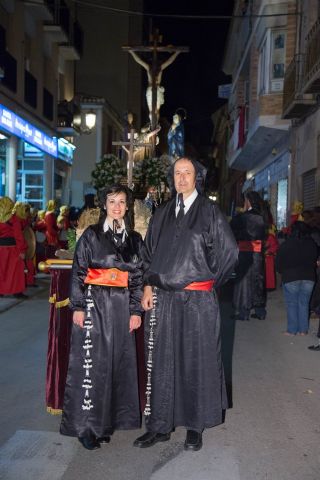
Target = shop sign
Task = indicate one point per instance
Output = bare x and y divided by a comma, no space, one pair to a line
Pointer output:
65,150
12,123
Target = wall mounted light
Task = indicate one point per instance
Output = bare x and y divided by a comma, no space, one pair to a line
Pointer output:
90,119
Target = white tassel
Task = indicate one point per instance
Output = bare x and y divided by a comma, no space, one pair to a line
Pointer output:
153,321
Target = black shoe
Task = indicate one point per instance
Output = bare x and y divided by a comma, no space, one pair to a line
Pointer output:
34,285
315,348
105,439
259,317
20,295
193,440
149,439
89,443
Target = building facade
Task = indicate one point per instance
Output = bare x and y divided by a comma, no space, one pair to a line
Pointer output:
39,44
260,46
301,105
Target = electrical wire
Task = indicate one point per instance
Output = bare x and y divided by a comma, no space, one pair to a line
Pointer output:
171,15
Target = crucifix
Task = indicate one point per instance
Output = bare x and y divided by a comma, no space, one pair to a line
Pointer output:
131,147
155,92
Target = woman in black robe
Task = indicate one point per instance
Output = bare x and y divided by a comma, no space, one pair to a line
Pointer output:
101,392
250,231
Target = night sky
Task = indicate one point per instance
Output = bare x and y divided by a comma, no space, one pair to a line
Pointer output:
192,80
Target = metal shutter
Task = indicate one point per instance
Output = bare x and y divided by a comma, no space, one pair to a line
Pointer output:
309,190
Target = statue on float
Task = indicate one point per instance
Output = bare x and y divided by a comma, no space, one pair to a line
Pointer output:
176,135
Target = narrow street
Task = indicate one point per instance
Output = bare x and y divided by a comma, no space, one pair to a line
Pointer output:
271,432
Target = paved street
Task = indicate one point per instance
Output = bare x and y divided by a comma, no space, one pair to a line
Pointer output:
272,431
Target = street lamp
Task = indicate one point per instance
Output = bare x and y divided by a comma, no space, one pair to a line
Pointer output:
90,119
84,123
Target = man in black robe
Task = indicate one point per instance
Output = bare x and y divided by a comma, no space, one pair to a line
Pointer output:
188,248
250,231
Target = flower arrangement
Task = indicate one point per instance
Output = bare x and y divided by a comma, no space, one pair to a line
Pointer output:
109,170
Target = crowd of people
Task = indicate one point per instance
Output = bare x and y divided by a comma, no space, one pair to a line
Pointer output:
28,236
296,258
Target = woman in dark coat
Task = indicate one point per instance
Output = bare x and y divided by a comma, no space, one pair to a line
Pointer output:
296,262
249,229
101,392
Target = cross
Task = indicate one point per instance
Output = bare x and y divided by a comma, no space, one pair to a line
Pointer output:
130,147
154,70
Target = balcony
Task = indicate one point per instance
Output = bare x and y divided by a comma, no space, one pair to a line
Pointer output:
296,104
62,29
67,111
312,65
73,49
40,9
247,149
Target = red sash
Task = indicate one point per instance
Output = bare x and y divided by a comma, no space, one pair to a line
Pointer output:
109,277
250,246
206,285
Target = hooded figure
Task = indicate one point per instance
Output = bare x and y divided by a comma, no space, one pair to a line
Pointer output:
12,251
189,249
250,230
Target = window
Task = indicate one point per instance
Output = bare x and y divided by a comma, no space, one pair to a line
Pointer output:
282,203
272,62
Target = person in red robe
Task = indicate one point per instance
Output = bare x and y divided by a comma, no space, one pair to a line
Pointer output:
271,248
12,251
23,213
63,224
52,231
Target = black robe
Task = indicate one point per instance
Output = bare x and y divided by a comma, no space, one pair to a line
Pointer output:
185,375
101,392
249,289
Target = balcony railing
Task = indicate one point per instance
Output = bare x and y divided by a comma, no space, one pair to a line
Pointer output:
60,14
292,80
71,36
295,103
312,65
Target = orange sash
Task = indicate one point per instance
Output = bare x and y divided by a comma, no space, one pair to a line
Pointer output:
250,246
109,277
206,285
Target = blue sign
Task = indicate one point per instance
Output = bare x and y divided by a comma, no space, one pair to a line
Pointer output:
12,123
224,91
65,150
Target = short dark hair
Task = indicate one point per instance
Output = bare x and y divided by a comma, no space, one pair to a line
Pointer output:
300,230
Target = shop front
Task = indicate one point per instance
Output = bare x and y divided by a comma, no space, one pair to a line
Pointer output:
32,163
272,184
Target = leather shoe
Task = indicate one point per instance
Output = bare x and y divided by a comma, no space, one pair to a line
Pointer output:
89,443
105,439
149,439
259,317
193,440
315,348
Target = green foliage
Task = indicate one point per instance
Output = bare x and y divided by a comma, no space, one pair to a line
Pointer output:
71,239
151,171
110,170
